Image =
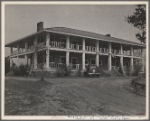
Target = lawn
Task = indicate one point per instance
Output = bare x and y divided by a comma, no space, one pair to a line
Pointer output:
71,96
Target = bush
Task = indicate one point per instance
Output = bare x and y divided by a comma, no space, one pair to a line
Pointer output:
18,71
137,68
60,72
79,72
67,70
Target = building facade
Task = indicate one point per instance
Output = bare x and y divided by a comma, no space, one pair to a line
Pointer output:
60,46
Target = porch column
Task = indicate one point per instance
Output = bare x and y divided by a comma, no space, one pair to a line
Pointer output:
83,44
67,58
11,50
47,39
97,55
121,49
68,42
26,58
143,63
11,61
131,50
109,57
142,52
35,60
131,64
26,46
35,54
121,61
83,61
47,58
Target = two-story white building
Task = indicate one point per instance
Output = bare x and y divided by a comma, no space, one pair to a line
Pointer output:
61,46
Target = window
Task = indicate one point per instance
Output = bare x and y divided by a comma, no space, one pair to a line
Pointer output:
74,41
93,62
62,39
117,63
100,62
92,44
51,59
62,59
74,60
126,63
86,61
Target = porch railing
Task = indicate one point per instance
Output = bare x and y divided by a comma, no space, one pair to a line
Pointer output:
41,45
90,48
30,48
21,50
57,65
14,52
115,51
126,53
58,44
75,66
75,47
103,50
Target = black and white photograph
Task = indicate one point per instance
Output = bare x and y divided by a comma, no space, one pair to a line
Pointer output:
77,60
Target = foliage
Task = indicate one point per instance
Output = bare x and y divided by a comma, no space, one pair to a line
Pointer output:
138,20
137,67
7,65
79,72
18,71
67,70
60,72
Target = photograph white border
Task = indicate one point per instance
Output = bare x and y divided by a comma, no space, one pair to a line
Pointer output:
78,117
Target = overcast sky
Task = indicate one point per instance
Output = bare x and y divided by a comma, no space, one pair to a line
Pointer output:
21,20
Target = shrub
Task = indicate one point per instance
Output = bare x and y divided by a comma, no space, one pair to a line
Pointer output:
60,72
79,72
67,70
137,68
18,71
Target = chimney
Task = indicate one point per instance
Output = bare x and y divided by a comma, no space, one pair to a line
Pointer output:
39,26
108,35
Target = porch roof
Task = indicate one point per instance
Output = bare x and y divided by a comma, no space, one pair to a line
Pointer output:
80,33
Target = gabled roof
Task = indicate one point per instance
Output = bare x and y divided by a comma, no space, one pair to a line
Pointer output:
80,33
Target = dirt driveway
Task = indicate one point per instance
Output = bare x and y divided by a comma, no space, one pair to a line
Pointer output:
72,96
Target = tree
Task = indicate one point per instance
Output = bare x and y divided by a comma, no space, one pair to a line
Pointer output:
138,20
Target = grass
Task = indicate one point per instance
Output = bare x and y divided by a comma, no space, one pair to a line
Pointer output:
23,95
71,96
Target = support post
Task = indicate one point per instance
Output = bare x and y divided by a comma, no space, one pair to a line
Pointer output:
47,39
26,46
11,62
35,53
47,58
68,42
67,58
131,50
142,52
83,61
35,60
121,61
97,55
11,50
143,64
131,64
109,57
121,49
97,60
83,44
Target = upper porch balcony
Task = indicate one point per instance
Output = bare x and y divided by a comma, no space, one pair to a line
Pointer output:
77,47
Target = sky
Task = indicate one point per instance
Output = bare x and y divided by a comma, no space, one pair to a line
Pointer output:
21,20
